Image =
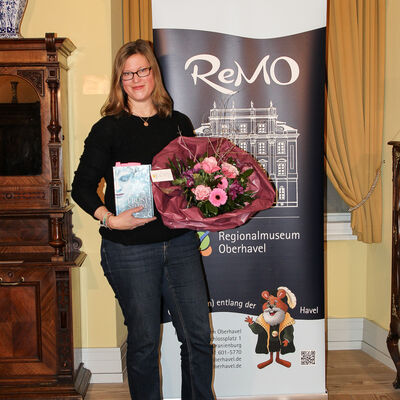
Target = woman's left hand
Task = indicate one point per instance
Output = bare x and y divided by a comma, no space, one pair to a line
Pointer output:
127,221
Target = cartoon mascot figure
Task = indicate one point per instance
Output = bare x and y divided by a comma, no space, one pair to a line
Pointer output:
274,326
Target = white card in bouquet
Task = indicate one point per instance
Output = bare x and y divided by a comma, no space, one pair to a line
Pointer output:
161,175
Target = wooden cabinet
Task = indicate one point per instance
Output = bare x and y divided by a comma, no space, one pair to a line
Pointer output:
38,248
394,330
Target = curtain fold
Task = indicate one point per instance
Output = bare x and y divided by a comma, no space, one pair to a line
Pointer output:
355,100
137,20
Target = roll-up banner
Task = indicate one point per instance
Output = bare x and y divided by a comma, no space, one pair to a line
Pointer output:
254,72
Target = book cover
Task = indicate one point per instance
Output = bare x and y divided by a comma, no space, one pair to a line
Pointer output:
132,185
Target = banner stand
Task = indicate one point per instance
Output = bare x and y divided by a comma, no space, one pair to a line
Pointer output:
254,73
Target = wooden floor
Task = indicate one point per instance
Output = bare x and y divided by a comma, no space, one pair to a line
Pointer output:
351,375
354,375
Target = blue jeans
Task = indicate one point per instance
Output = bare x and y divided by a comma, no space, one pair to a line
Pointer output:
144,276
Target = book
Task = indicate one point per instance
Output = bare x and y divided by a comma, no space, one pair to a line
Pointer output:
132,186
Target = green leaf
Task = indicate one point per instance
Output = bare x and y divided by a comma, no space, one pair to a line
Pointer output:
247,173
211,210
179,181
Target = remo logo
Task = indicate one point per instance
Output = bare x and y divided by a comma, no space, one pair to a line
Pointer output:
231,76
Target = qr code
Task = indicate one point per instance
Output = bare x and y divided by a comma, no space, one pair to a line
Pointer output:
308,357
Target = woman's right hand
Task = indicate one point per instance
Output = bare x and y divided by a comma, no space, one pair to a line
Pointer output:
127,221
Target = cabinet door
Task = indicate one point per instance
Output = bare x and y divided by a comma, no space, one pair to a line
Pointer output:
28,348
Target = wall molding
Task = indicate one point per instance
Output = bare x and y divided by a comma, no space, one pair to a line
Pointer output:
108,365
337,226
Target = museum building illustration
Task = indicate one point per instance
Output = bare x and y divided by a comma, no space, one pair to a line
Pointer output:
271,142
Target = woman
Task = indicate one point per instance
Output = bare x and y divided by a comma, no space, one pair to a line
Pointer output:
145,262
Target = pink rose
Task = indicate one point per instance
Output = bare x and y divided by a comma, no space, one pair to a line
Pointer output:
197,167
210,165
218,197
229,170
201,192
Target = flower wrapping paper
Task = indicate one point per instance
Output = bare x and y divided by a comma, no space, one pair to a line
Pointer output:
171,202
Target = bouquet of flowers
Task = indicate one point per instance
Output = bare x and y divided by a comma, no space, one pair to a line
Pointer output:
216,184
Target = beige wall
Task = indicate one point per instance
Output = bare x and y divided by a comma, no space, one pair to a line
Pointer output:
95,27
346,279
357,275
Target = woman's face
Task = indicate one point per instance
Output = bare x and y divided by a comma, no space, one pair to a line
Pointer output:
138,89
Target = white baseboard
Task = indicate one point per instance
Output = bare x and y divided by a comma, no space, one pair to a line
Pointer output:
374,343
359,333
108,365
345,333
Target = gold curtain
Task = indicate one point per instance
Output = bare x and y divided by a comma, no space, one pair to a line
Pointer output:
137,20
355,99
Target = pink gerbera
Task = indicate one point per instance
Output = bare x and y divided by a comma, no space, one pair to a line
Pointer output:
223,183
218,197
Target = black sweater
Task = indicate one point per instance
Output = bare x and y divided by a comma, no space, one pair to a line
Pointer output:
124,138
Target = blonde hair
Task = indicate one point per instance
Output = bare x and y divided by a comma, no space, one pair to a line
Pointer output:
117,100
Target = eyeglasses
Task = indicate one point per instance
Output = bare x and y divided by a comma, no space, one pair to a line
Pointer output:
141,73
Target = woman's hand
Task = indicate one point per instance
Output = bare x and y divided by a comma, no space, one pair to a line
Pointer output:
127,221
